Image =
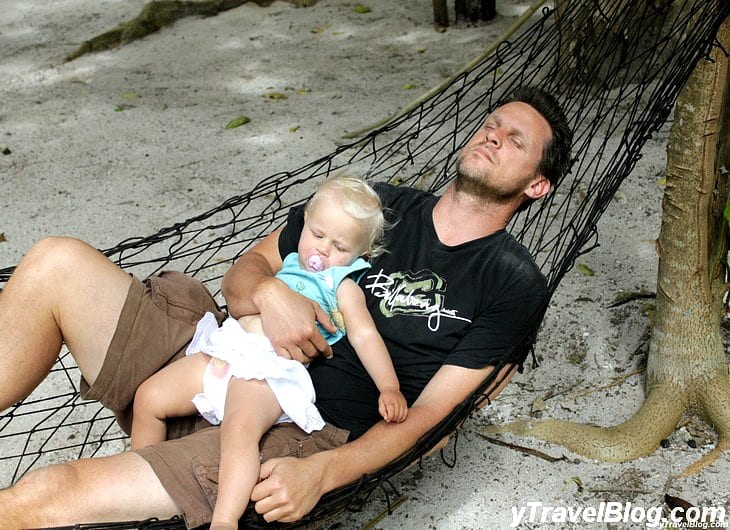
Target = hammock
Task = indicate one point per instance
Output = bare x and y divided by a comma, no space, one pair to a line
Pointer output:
612,68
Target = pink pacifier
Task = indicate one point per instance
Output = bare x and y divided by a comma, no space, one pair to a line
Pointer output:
316,262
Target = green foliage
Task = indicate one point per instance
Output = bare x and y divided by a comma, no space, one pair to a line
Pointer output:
585,270
237,122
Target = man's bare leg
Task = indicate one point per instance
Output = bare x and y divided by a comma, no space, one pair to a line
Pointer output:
122,487
62,291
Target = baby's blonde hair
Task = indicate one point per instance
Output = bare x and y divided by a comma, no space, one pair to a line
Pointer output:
359,201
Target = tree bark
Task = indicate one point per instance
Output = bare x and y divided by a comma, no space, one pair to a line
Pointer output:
686,368
474,10
471,10
440,13
687,351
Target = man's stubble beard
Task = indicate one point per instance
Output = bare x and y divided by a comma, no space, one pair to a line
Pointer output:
481,185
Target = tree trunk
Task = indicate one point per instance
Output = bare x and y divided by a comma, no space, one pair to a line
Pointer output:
686,351
686,368
474,10
471,10
440,13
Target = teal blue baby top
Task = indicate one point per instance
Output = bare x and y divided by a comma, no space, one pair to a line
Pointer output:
321,286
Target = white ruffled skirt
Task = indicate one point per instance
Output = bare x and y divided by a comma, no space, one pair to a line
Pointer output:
250,356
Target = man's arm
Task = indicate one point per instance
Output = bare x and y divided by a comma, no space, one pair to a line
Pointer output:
288,318
291,487
247,281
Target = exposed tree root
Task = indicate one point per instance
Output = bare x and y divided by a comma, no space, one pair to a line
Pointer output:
639,436
714,400
707,460
156,15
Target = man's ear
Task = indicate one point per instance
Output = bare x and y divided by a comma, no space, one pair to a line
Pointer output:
539,187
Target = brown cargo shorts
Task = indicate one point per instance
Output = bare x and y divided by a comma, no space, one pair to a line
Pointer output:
156,324
188,466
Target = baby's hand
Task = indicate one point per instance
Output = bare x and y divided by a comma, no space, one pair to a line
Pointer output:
392,406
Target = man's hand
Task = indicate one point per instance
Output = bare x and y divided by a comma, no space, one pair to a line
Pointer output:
392,406
290,322
289,488
289,319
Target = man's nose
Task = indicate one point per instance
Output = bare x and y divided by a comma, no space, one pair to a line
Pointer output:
494,138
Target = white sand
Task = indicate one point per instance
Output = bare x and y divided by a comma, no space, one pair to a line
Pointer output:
80,166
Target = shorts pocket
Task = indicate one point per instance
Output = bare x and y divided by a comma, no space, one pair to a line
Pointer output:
206,475
182,298
287,439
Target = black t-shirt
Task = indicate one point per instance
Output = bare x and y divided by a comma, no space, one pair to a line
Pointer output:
471,305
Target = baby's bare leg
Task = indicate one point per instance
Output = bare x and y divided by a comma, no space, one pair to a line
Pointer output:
168,393
251,324
251,409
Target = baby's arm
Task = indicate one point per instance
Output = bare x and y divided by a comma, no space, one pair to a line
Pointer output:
371,350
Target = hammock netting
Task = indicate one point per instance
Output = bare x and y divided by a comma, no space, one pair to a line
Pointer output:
616,67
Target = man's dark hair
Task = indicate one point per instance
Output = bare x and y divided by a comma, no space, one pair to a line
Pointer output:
555,160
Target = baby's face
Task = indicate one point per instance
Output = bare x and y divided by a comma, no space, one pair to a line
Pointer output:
330,237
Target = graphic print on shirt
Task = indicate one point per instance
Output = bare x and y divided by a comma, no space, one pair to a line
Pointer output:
421,294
